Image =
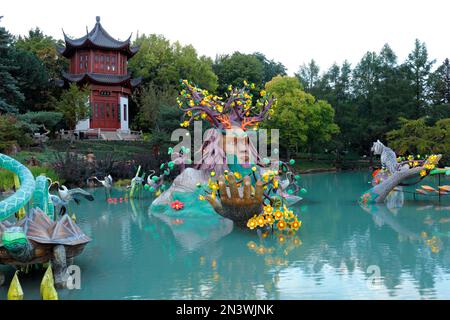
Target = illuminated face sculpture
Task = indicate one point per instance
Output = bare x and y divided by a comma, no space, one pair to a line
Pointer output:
237,143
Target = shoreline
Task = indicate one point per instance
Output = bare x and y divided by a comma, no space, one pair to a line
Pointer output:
318,170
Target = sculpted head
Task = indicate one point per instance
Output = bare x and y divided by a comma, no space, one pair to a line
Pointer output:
377,147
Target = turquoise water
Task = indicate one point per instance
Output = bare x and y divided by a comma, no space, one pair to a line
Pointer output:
136,255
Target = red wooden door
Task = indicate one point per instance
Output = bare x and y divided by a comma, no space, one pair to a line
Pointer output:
105,115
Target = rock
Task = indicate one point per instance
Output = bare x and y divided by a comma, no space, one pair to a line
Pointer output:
33,162
90,157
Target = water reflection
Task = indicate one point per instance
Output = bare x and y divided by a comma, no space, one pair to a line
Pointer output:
138,254
195,233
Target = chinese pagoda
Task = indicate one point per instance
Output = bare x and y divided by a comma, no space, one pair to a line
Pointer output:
100,61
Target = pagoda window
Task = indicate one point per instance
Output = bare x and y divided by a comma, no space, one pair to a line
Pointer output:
96,58
124,112
112,110
107,59
95,110
113,63
107,110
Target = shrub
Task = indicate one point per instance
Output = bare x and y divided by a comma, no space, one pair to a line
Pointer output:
13,132
49,119
72,168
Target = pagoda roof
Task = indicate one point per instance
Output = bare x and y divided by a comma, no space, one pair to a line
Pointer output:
98,37
102,78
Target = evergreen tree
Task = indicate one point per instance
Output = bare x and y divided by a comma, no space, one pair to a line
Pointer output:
10,95
419,68
393,93
440,93
31,79
308,75
335,87
440,84
365,79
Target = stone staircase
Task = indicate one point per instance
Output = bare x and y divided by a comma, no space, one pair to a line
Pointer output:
110,135
117,135
98,134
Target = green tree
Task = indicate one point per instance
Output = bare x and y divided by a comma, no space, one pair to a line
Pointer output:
31,79
45,48
440,84
382,93
303,121
410,138
335,87
163,64
197,69
234,69
416,137
419,68
169,119
289,116
74,105
393,94
440,135
152,102
365,79
271,68
10,95
321,126
308,75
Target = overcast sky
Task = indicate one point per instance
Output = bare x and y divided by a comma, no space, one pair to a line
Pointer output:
292,32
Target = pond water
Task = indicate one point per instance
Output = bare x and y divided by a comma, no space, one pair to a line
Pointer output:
337,255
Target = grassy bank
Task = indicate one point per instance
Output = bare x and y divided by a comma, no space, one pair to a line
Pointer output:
124,150
7,177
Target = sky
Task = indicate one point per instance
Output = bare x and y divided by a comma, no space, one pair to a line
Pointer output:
291,32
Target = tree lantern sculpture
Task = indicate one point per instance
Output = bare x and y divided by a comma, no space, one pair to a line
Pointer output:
231,175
